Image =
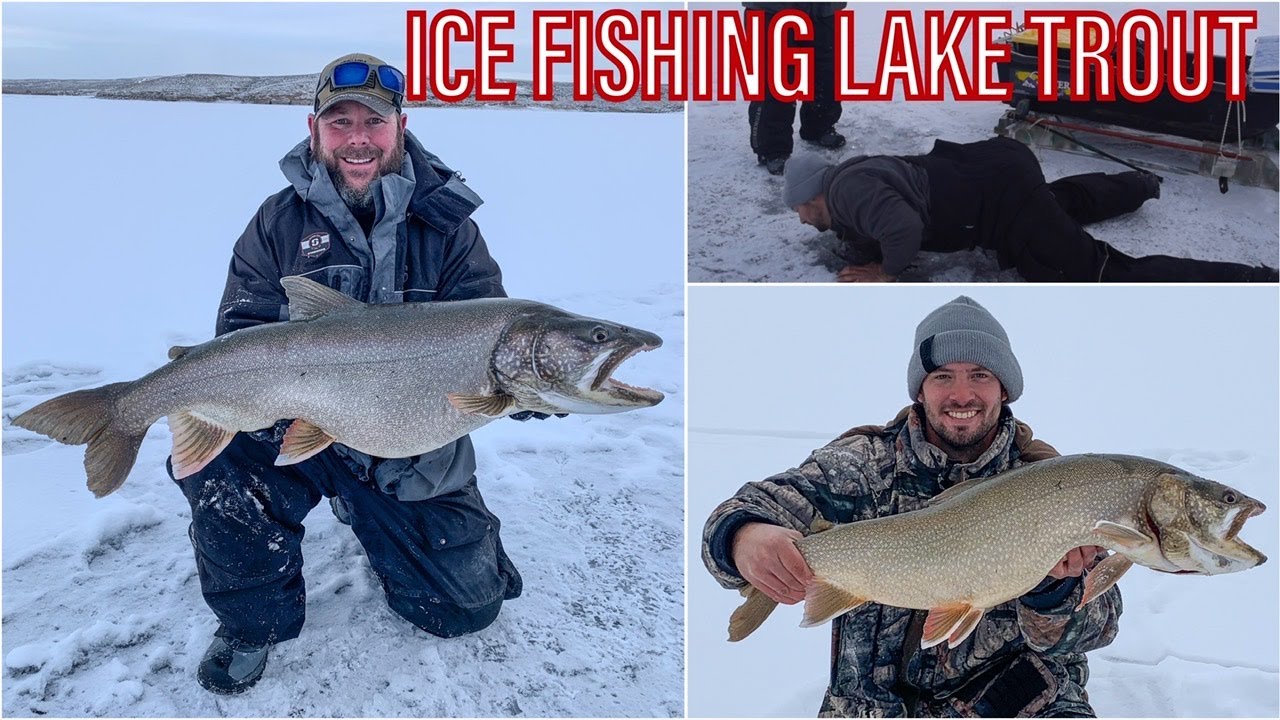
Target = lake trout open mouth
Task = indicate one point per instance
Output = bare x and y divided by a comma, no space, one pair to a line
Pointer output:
392,381
605,382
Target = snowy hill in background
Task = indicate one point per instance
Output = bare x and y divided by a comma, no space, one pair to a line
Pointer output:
102,608
291,90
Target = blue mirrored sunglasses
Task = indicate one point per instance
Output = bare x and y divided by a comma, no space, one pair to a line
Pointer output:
356,74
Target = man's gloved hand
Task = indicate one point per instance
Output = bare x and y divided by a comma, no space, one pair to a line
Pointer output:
526,414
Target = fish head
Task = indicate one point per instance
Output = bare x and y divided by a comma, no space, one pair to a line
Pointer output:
1198,523
557,362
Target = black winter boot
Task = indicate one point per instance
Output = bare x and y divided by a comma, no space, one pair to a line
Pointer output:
1152,184
340,509
230,666
829,140
774,165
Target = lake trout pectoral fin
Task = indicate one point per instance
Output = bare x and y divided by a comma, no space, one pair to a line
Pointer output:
301,441
750,614
1122,535
824,602
495,405
1103,576
196,442
309,299
966,627
945,620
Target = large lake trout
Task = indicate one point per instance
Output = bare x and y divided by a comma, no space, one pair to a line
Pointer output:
987,541
388,380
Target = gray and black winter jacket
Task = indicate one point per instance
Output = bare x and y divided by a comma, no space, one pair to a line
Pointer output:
423,246
958,196
1026,657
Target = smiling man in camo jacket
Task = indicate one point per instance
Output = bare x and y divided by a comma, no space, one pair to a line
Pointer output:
1025,657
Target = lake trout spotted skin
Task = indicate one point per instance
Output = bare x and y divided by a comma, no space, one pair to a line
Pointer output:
387,380
988,541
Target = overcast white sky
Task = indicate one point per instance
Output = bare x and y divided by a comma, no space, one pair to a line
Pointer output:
1116,369
113,40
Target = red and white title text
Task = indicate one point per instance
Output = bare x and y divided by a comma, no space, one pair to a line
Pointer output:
678,55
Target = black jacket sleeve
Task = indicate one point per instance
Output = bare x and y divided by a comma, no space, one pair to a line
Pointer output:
469,270
253,294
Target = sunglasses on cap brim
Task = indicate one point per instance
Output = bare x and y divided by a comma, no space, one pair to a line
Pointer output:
355,73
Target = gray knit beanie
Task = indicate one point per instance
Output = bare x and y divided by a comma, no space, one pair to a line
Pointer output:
963,331
802,180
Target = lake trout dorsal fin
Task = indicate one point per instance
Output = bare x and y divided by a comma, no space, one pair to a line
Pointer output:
824,601
820,524
1102,577
750,614
309,299
1121,536
178,351
196,442
945,622
495,405
301,441
955,490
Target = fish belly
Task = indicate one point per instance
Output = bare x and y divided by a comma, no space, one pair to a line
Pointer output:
386,408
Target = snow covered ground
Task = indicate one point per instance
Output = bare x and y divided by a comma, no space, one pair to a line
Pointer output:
119,219
740,231
1185,375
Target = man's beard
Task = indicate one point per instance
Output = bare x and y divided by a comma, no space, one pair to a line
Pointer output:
960,444
359,198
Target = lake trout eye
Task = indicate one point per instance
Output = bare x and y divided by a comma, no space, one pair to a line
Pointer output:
1229,497
600,335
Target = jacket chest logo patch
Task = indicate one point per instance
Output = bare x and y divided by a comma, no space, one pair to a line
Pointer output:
315,244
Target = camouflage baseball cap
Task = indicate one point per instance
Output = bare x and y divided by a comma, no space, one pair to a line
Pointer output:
363,78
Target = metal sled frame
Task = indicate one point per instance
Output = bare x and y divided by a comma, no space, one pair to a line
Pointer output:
1252,164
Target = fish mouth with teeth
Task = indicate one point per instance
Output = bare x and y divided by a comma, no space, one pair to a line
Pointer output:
1227,549
603,382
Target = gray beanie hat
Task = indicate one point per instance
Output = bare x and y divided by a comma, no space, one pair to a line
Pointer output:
802,180
963,331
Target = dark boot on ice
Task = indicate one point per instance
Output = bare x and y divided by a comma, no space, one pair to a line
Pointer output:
1149,183
829,140
340,509
774,165
230,666
1152,184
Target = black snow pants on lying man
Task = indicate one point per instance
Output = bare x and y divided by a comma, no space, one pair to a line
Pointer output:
440,561
993,194
1053,246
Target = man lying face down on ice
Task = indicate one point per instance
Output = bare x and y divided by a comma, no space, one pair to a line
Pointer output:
989,194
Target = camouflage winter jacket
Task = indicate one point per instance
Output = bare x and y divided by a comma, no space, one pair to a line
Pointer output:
1026,657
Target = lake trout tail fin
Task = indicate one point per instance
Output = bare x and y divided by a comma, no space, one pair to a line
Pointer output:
751,614
87,417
